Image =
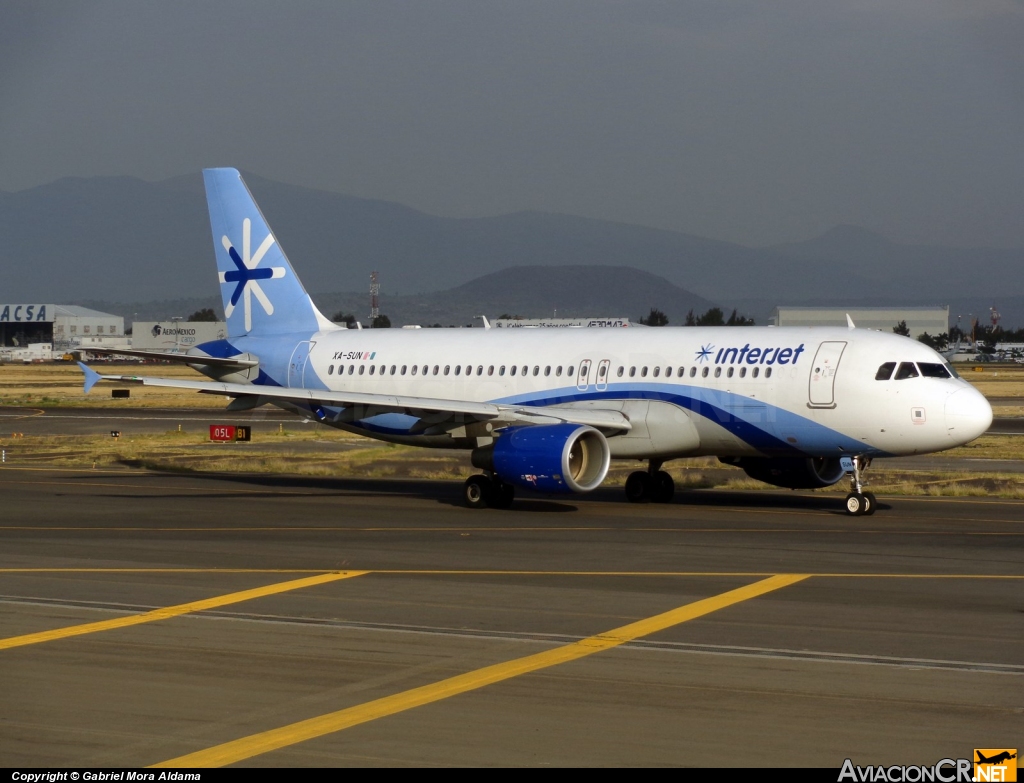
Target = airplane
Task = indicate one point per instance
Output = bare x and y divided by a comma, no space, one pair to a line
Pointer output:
548,409
996,759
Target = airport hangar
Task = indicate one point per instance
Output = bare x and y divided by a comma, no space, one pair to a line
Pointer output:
61,326
933,320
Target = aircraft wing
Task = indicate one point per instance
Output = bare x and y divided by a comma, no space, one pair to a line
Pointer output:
376,404
172,356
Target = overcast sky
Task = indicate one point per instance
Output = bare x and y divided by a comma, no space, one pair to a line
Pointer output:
753,122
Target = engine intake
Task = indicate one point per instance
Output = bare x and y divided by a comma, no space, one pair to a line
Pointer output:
792,472
557,458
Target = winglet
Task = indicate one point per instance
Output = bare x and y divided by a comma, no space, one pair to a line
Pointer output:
487,324
91,377
849,322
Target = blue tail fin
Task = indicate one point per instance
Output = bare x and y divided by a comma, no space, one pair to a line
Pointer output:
261,292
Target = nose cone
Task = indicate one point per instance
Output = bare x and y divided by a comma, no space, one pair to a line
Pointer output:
968,415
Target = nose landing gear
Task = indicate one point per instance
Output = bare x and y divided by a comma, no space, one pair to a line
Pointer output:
858,502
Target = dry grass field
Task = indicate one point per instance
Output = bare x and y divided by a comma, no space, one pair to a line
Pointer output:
320,451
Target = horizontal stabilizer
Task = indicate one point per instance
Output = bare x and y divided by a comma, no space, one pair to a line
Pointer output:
91,377
175,356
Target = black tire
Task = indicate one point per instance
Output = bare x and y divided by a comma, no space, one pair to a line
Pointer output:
663,488
476,491
638,487
502,495
856,504
872,503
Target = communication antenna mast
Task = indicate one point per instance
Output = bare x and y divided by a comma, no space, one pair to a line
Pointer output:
374,298
994,316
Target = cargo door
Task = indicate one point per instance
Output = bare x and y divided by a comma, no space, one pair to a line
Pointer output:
823,374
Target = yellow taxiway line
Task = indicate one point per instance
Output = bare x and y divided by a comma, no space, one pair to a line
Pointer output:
174,611
275,739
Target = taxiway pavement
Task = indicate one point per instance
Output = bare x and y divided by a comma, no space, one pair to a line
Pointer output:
258,620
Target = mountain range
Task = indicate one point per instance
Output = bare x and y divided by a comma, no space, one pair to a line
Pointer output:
130,245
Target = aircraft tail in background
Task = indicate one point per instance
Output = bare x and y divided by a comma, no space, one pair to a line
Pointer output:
262,295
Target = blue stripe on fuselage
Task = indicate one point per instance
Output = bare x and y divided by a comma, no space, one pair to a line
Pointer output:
750,420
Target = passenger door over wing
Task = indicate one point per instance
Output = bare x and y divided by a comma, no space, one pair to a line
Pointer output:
583,379
823,374
602,374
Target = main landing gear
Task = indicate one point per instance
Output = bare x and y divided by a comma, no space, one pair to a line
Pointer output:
653,484
859,502
483,491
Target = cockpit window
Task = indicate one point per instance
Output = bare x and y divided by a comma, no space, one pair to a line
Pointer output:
906,370
929,370
885,371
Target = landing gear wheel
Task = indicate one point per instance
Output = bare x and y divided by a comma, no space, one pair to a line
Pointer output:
502,495
856,504
872,502
662,487
638,487
477,490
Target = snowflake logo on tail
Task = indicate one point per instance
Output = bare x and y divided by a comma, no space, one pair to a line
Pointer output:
246,276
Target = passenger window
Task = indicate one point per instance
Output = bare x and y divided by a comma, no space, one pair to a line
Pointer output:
558,371
657,371
729,374
436,368
536,370
458,369
885,371
620,371
643,372
525,369
602,371
693,371
632,372
394,368
490,370
756,371
469,369
415,367
704,373
568,370
480,369
362,368
501,370
743,372
680,371
512,370
547,371
718,372
373,369
330,369
668,372
906,370
767,372
929,370
447,368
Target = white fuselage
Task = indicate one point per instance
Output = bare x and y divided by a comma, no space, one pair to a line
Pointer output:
725,391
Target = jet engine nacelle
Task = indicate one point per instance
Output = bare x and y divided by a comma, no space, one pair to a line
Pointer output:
792,472
558,458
